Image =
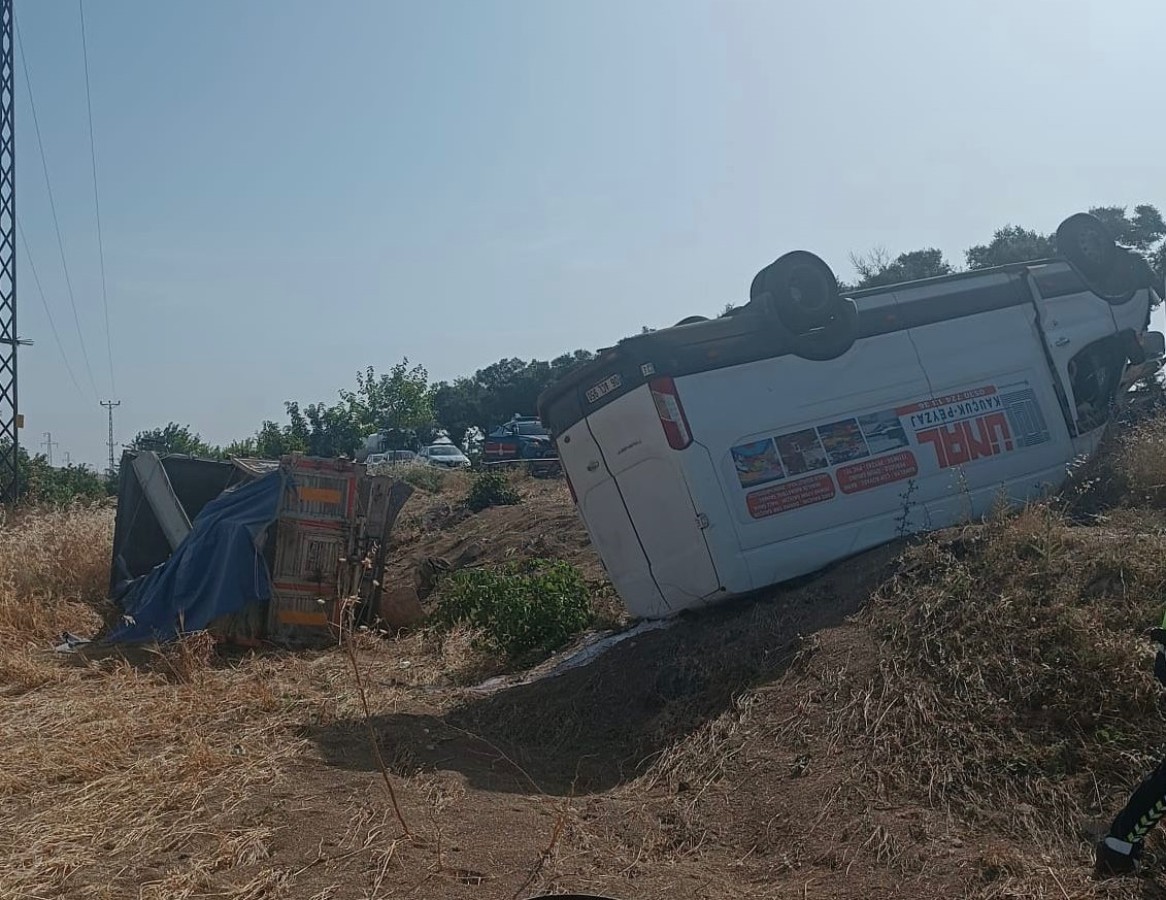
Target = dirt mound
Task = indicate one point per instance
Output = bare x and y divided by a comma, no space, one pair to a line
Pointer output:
438,533
545,523
604,724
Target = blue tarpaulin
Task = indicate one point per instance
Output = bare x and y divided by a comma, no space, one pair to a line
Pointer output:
217,570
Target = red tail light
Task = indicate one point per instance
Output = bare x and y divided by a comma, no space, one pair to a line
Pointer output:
671,413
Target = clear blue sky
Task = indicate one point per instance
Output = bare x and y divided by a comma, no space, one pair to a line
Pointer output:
293,190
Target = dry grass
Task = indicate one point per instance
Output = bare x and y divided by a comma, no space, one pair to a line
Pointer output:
171,772
981,703
117,776
1013,675
54,571
1141,459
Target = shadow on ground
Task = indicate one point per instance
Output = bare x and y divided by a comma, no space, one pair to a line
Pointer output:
593,728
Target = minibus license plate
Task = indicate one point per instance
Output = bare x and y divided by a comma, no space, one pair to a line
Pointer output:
604,388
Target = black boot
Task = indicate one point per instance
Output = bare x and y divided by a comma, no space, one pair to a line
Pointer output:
1116,858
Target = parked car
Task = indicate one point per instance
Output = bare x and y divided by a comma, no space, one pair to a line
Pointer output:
523,437
444,454
721,456
393,458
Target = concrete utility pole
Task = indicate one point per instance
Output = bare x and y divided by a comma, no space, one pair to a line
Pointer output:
48,443
110,404
68,460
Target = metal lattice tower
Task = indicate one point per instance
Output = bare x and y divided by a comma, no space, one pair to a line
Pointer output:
111,405
9,406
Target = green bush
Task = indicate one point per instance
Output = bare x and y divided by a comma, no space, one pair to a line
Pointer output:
426,478
491,489
520,608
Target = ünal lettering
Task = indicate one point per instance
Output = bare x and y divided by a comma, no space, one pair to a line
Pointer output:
964,442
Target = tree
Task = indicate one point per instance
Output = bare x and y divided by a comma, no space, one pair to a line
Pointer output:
457,407
877,268
60,486
244,449
1143,231
568,362
174,439
41,483
1011,244
495,393
324,431
273,441
398,403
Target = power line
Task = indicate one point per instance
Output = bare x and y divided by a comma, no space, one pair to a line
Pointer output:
96,198
53,207
48,312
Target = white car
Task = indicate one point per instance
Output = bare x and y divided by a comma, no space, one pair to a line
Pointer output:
392,458
445,455
717,457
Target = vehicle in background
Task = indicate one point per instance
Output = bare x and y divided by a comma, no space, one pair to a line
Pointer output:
375,444
523,437
444,454
721,456
392,458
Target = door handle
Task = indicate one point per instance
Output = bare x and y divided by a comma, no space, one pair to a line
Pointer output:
1062,341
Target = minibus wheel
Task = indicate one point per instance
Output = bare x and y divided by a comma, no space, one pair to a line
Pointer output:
803,292
834,339
1085,242
1128,274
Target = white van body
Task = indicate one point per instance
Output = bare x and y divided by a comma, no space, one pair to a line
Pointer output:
708,461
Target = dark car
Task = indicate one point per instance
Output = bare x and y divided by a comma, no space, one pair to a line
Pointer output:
520,438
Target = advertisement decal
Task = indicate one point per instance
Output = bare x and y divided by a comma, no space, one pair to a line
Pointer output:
876,449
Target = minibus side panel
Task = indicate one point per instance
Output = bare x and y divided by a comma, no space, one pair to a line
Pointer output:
908,430
773,472
1011,437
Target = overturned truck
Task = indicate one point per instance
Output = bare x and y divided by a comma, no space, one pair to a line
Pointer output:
250,550
717,457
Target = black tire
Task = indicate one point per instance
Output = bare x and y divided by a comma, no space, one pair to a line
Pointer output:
1128,274
833,340
802,291
1085,242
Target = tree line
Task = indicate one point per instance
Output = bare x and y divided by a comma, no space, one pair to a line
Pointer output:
1141,230
403,404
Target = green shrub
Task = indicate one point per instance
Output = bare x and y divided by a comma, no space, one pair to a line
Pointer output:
491,489
537,605
426,478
